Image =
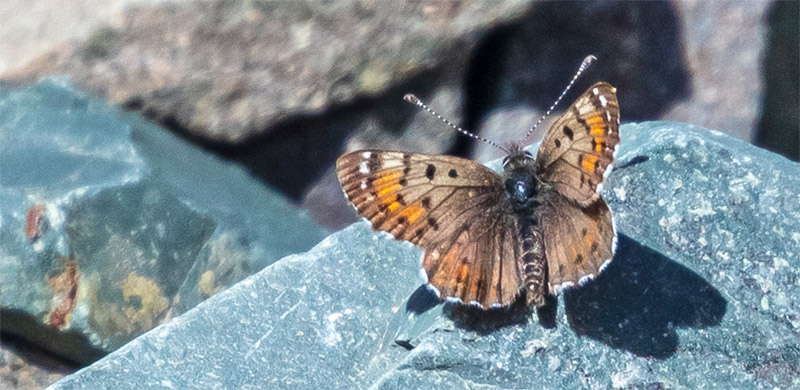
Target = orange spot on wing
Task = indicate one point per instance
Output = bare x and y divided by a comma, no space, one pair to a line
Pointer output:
597,125
387,178
598,145
393,206
391,190
462,272
589,162
440,279
594,120
461,283
412,213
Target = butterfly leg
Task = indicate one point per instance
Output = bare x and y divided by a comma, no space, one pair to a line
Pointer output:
533,265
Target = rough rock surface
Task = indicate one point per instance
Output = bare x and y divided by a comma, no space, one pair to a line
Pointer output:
231,70
110,226
36,30
699,294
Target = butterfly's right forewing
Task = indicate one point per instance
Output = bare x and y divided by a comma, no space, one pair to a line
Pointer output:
578,150
454,208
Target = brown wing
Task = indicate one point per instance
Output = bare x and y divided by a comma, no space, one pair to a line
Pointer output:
579,148
578,240
453,208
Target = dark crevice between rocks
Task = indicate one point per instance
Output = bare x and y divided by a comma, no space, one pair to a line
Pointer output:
68,347
530,62
293,154
640,299
483,74
779,127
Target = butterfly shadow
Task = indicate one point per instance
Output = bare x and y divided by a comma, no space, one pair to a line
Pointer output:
479,320
640,299
636,304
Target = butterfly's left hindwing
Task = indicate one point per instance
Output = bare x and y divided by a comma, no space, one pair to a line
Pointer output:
455,209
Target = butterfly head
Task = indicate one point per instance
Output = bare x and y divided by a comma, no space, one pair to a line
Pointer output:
517,157
520,182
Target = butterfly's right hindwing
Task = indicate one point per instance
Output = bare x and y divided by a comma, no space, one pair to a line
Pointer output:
454,208
578,240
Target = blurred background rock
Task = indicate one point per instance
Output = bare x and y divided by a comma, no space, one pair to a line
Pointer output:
284,88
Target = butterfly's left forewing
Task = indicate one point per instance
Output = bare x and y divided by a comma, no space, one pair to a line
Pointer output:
453,208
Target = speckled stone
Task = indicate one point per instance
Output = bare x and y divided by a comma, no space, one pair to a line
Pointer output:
699,294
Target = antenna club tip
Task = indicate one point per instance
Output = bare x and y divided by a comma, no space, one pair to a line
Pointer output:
589,59
411,98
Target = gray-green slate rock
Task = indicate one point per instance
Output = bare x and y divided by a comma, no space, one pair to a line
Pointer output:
701,293
110,226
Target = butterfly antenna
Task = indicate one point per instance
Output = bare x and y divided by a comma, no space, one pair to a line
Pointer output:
415,101
585,64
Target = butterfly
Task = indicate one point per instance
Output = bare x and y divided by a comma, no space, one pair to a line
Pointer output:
488,238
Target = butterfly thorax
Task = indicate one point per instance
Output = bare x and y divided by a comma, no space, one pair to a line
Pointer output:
519,180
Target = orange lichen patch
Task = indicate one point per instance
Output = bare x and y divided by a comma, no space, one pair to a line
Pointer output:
388,178
392,189
589,163
35,222
412,213
207,285
65,293
152,302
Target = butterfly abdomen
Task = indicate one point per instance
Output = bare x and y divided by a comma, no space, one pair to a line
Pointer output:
533,263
